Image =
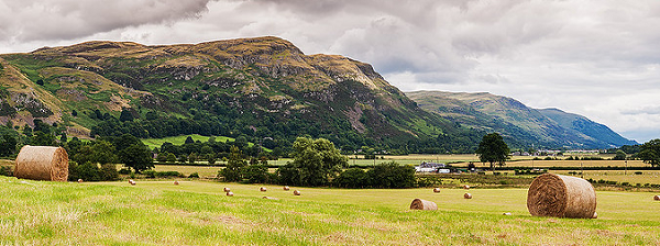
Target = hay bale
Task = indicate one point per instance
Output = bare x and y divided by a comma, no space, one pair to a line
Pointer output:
436,190
467,187
656,197
507,213
42,163
271,198
229,193
561,196
286,188
176,182
467,195
419,204
226,189
262,189
80,180
130,181
296,192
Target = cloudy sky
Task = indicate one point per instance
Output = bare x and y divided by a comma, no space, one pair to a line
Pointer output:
598,58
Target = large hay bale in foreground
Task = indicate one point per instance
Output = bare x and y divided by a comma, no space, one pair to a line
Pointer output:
42,163
419,204
561,196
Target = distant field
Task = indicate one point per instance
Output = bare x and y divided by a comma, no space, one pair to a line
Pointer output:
179,140
198,213
576,163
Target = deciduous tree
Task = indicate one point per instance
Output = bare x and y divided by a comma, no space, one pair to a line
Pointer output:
493,149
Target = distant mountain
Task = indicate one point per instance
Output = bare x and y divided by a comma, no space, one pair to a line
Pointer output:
587,127
518,123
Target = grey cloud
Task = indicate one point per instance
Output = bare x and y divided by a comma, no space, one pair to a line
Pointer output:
70,19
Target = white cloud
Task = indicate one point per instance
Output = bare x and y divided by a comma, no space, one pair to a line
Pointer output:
596,58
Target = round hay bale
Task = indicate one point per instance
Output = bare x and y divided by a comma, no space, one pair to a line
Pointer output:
467,195
561,196
42,163
229,193
436,190
467,187
263,189
419,204
226,189
130,181
656,197
176,182
296,192
507,213
285,188
80,180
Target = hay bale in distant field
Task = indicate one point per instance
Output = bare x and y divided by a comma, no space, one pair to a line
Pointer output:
80,180
507,213
467,187
42,163
296,192
467,195
285,188
130,181
229,193
176,182
226,189
656,197
263,189
561,196
436,190
419,204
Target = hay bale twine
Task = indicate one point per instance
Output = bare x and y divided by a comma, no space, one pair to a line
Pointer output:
42,163
419,204
656,197
262,189
229,193
80,180
561,196
436,190
296,192
176,182
286,188
226,189
467,195
467,187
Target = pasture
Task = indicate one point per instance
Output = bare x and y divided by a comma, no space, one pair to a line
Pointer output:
198,212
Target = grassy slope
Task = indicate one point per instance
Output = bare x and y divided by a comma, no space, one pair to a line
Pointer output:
156,213
180,140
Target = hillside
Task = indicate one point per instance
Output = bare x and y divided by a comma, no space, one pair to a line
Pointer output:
263,88
517,122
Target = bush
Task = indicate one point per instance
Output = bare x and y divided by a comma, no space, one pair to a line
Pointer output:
6,171
194,175
108,172
166,174
125,171
638,173
88,172
256,173
352,178
150,174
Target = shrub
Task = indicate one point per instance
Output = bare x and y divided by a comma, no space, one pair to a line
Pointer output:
497,173
625,183
150,174
6,171
108,172
125,171
194,175
638,173
352,178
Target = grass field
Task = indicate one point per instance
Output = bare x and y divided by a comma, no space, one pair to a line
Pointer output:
180,140
198,213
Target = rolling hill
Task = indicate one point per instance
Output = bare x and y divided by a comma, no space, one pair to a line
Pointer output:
517,122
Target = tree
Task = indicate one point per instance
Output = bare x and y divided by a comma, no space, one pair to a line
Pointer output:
650,152
171,158
138,157
235,165
317,160
43,139
620,155
8,145
189,140
492,148
211,159
125,116
192,158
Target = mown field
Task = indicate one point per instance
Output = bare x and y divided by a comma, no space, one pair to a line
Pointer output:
198,213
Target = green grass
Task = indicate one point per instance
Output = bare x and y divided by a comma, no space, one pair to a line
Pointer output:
179,140
198,213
